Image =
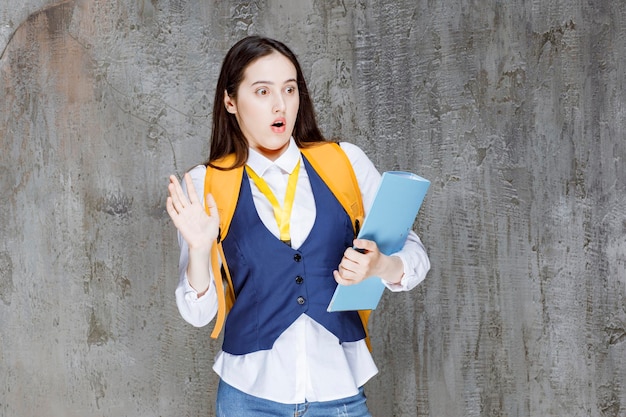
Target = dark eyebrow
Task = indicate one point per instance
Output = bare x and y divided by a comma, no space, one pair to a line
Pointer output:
291,80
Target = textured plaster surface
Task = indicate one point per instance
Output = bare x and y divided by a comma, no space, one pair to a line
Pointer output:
514,111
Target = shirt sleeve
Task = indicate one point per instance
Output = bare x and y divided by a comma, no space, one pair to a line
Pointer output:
197,311
413,254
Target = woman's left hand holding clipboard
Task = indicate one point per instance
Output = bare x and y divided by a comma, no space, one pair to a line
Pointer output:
367,261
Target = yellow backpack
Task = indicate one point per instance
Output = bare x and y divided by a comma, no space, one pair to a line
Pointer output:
332,165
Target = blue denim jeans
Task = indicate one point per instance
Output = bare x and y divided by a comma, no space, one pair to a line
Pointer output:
233,403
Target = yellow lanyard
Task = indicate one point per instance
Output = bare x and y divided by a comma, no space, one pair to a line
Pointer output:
282,214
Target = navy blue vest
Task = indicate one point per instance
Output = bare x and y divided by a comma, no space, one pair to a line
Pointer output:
274,284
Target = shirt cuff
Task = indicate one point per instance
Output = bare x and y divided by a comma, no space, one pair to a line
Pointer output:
408,280
197,311
191,295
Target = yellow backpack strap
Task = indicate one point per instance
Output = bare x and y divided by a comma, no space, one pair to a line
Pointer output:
332,164
224,185
364,315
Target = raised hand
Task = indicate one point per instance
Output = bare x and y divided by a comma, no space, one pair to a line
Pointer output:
198,228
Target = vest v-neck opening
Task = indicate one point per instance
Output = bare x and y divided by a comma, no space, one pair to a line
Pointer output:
308,169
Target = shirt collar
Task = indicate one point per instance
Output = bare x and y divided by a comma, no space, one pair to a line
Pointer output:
286,162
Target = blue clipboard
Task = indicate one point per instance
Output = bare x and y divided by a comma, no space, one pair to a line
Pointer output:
395,207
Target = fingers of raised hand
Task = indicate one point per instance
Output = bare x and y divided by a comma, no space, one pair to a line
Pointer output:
177,201
169,206
191,190
211,205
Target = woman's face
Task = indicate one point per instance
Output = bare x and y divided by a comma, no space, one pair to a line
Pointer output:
266,104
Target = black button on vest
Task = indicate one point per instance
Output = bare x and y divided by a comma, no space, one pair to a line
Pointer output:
297,257
301,300
299,280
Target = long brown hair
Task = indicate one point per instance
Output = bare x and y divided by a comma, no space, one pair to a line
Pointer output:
226,136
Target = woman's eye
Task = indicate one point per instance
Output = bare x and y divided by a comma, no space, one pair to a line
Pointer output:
290,90
262,91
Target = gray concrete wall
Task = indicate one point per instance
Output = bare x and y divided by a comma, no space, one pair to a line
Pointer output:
514,110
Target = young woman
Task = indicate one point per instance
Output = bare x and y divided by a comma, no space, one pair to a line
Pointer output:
276,361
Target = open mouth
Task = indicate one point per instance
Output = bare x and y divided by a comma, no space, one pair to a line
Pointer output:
279,125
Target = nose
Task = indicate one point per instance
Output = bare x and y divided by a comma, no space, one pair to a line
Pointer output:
279,103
